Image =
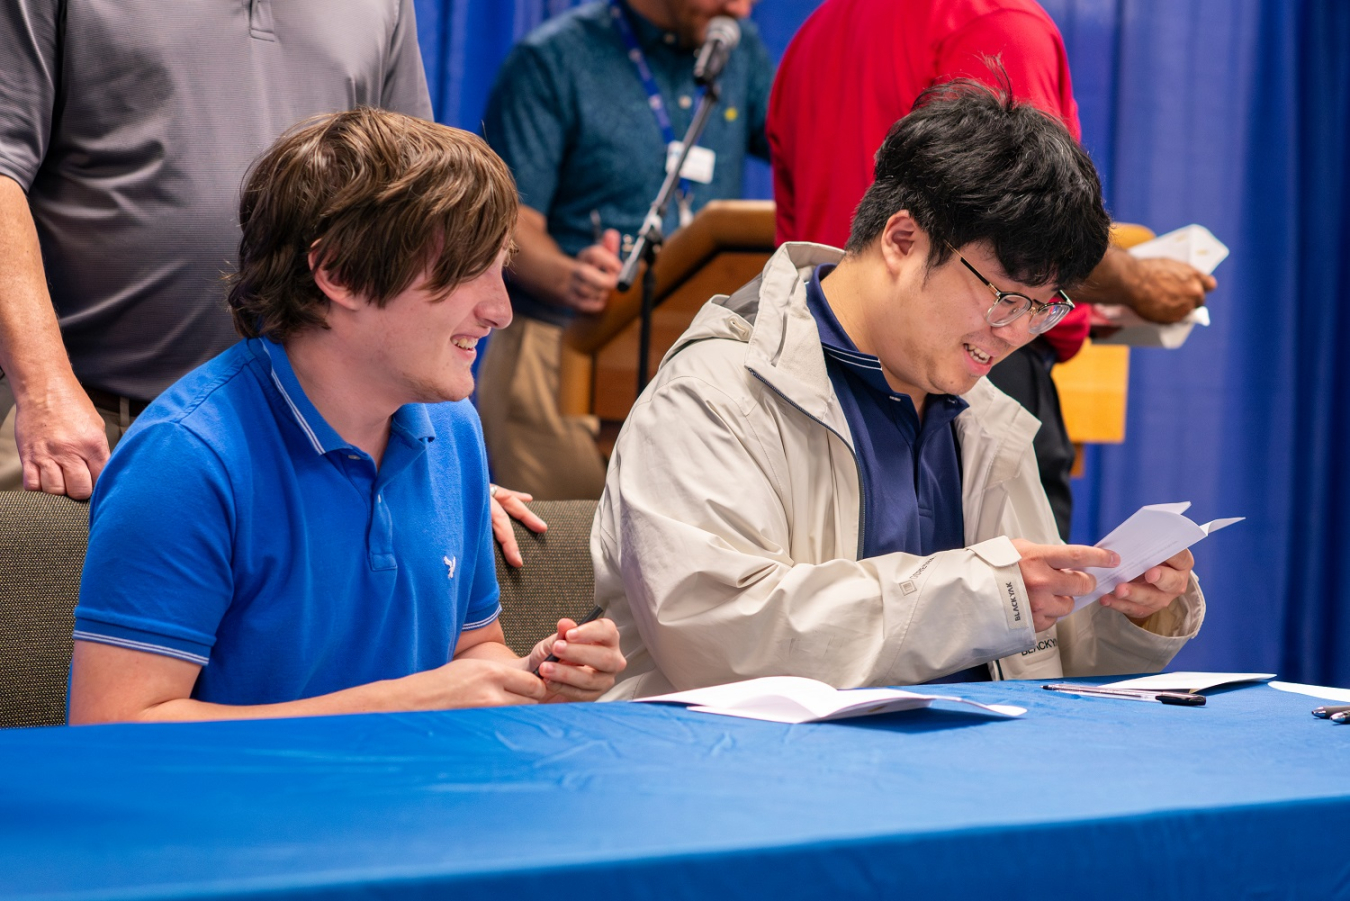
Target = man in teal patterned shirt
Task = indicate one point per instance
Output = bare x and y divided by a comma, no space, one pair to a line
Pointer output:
585,134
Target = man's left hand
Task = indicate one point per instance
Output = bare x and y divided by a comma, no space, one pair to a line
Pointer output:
1155,589
1162,290
506,505
588,660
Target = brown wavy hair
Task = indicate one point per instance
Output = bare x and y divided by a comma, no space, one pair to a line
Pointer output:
379,198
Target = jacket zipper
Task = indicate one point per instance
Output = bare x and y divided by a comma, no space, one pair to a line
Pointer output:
862,495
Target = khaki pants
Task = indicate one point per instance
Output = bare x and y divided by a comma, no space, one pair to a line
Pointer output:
115,425
533,447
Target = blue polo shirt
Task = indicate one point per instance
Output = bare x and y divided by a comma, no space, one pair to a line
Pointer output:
234,528
570,116
910,469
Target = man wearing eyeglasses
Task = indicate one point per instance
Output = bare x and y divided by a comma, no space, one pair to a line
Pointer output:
821,481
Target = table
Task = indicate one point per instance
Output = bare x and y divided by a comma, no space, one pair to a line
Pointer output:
1081,798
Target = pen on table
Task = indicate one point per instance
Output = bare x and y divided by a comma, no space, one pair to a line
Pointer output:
1178,698
1342,717
595,614
1328,712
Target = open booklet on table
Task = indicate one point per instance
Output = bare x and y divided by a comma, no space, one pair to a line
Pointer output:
793,699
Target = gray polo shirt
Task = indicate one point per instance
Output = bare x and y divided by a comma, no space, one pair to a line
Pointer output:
132,123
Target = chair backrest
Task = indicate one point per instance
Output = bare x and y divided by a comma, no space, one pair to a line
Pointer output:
557,579
42,544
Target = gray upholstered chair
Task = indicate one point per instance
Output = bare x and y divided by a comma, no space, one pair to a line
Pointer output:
557,579
42,543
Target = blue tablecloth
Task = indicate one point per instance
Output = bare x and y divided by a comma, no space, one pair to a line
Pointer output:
1248,797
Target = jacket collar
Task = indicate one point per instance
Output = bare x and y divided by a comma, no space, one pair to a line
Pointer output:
771,316
995,433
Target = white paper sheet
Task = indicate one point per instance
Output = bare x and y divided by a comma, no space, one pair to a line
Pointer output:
1315,691
1192,244
1188,681
793,699
1153,534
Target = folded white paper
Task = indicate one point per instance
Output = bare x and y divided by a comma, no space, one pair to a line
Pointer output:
1315,691
793,699
1188,681
1193,244
1153,534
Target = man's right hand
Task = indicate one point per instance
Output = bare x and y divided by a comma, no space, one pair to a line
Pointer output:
1051,573
471,682
595,273
62,443
1166,291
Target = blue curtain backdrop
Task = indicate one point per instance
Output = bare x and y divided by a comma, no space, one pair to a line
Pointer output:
1234,114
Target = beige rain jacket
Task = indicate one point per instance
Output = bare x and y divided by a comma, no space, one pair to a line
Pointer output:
726,543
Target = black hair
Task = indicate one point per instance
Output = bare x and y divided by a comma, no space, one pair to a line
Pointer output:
970,164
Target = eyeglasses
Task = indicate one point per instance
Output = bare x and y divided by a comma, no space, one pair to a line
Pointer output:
1009,306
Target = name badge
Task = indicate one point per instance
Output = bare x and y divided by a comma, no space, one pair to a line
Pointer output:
698,166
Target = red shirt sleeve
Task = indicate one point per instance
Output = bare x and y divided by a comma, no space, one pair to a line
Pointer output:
1032,52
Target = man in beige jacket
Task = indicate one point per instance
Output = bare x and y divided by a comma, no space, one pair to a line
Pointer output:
821,482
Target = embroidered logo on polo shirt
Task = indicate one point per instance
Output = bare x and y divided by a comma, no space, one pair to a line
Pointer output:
449,566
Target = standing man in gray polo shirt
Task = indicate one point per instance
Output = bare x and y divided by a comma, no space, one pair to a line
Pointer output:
126,127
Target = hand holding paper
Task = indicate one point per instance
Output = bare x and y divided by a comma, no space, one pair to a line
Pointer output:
1193,245
1154,534
1054,573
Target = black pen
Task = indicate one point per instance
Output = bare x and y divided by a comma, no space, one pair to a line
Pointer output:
1178,698
595,614
1342,717
1328,712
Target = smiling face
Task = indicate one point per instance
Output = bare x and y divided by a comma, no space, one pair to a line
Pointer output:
927,326
421,348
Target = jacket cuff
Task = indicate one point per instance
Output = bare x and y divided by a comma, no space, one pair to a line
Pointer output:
1000,554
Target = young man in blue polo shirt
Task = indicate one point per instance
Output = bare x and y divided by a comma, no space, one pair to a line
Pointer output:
301,525
821,482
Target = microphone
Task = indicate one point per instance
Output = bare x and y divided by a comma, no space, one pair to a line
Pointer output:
722,36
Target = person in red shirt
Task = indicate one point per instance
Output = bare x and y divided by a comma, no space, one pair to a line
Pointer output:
854,68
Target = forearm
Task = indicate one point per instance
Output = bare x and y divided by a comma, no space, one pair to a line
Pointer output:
1110,282
494,650
376,697
1157,289
152,689
31,352
134,699
539,266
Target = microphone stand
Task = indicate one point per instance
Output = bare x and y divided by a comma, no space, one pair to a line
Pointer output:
650,238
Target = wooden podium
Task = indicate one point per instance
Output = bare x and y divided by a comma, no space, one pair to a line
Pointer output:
726,246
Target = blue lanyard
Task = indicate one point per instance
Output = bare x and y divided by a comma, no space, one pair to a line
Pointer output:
644,71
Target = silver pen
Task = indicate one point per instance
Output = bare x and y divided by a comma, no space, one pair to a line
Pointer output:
1178,698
